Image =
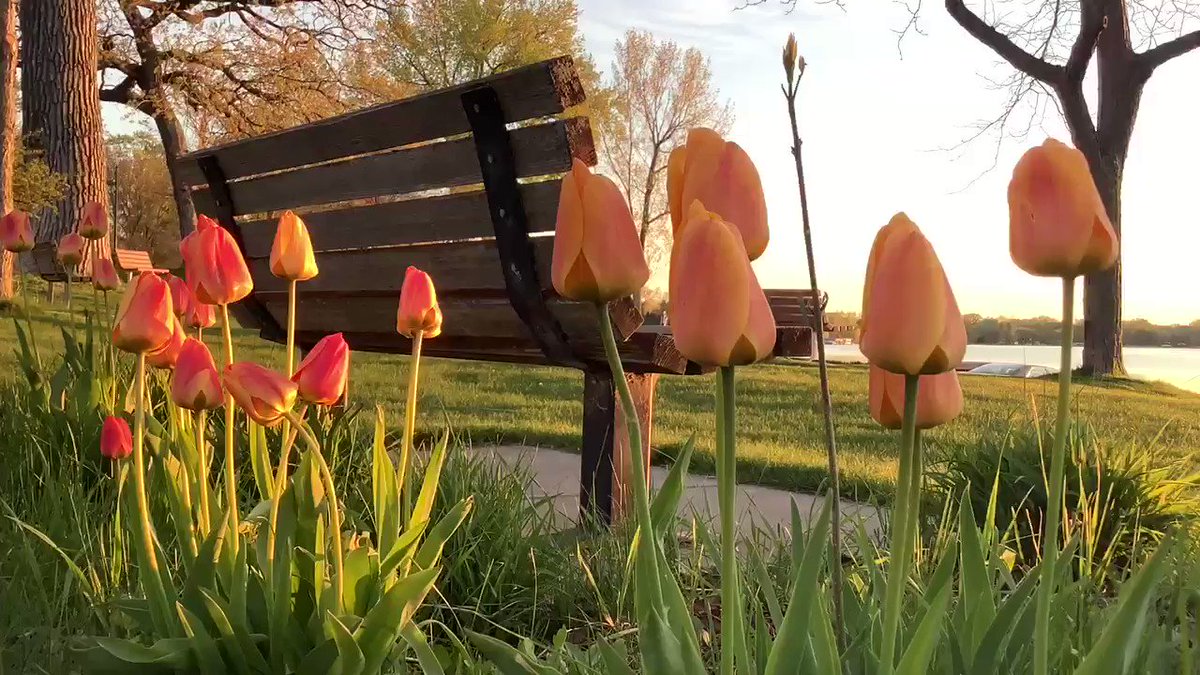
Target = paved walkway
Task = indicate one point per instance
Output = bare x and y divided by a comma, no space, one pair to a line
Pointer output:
556,475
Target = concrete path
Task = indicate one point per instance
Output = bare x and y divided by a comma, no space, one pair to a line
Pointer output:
556,475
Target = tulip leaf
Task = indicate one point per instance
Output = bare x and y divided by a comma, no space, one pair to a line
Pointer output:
402,548
319,660
975,587
792,640
991,646
431,550
666,503
239,647
260,461
824,644
350,659
415,638
429,486
929,630
359,571
381,626
507,659
383,488
116,656
208,656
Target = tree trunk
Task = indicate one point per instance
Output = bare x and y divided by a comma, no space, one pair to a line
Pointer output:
172,142
8,128
61,112
1102,333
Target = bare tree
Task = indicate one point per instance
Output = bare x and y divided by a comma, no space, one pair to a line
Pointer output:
8,128
658,91
61,112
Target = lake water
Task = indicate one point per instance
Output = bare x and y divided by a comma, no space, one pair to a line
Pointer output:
1178,366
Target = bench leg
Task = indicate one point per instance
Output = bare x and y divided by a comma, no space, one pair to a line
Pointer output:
605,471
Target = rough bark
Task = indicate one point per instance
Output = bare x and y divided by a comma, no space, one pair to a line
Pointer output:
8,128
61,112
172,142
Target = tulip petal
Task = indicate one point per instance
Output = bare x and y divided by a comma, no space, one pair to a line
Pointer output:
675,172
906,305
568,233
758,337
709,278
610,241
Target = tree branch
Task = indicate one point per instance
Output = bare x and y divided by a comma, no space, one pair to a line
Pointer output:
1092,24
1001,44
1153,58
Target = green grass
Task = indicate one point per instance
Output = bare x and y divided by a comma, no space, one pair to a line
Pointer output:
780,427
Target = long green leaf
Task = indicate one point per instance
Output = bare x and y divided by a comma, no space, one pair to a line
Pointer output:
429,486
929,631
666,503
208,656
384,491
350,660
975,596
381,627
431,550
506,658
240,649
792,639
998,634
415,638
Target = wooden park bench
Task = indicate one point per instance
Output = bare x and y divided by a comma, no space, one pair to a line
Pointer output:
130,262
45,264
463,183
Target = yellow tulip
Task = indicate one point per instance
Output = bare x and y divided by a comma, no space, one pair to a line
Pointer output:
292,252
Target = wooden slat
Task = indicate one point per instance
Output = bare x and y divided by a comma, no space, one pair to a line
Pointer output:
445,218
460,266
539,150
538,90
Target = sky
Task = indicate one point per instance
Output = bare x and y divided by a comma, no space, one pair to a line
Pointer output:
881,130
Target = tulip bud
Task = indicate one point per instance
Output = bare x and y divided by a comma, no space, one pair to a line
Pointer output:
789,57
201,315
165,356
93,222
196,384
181,295
16,234
216,267
292,253
597,254
721,175
116,442
910,321
418,311
1058,226
145,320
719,313
203,223
321,376
104,274
70,249
939,398
264,394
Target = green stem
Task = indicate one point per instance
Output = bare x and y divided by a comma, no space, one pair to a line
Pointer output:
231,499
733,633
70,278
335,517
903,516
28,311
291,329
178,422
410,424
203,471
151,576
1054,491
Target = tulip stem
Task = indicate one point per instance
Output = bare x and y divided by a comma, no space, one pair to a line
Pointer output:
231,498
291,329
202,477
67,289
1054,491
335,517
733,634
410,424
152,583
903,517
37,357
177,421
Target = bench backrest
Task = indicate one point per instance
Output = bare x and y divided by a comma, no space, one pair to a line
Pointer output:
129,260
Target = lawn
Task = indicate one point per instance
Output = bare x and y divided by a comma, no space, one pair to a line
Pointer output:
780,428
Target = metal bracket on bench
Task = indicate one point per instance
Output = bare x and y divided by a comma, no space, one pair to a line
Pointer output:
498,166
251,307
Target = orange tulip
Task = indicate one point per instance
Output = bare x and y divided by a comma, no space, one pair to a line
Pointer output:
910,320
1058,226
264,394
145,321
116,442
70,249
418,311
721,175
181,295
16,234
201,315
597,254
186,244
292,253
216,267
165,356
93,221
196,384
321,376
104,274
719,313
939,398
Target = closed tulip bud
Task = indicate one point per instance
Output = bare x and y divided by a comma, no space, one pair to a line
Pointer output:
16,234
719,313
202,223
196,384
1058,226
165,356
418,311
201,315
93,222
116,442
104,274
597,254
216,267
910,321
145,320
292,253
321,376
939,398
181,295
264,394
70,249
789,57
721,175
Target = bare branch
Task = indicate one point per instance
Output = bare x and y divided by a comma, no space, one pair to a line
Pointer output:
1181,45
1001,44
1092,25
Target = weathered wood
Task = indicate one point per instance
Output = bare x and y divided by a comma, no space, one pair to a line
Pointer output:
130,261
539,150
795,341
433,219
642,388
538,90
596,463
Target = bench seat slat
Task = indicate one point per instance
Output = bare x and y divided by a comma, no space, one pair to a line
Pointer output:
539,150
538,90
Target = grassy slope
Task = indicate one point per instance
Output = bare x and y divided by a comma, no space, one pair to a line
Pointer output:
780,429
